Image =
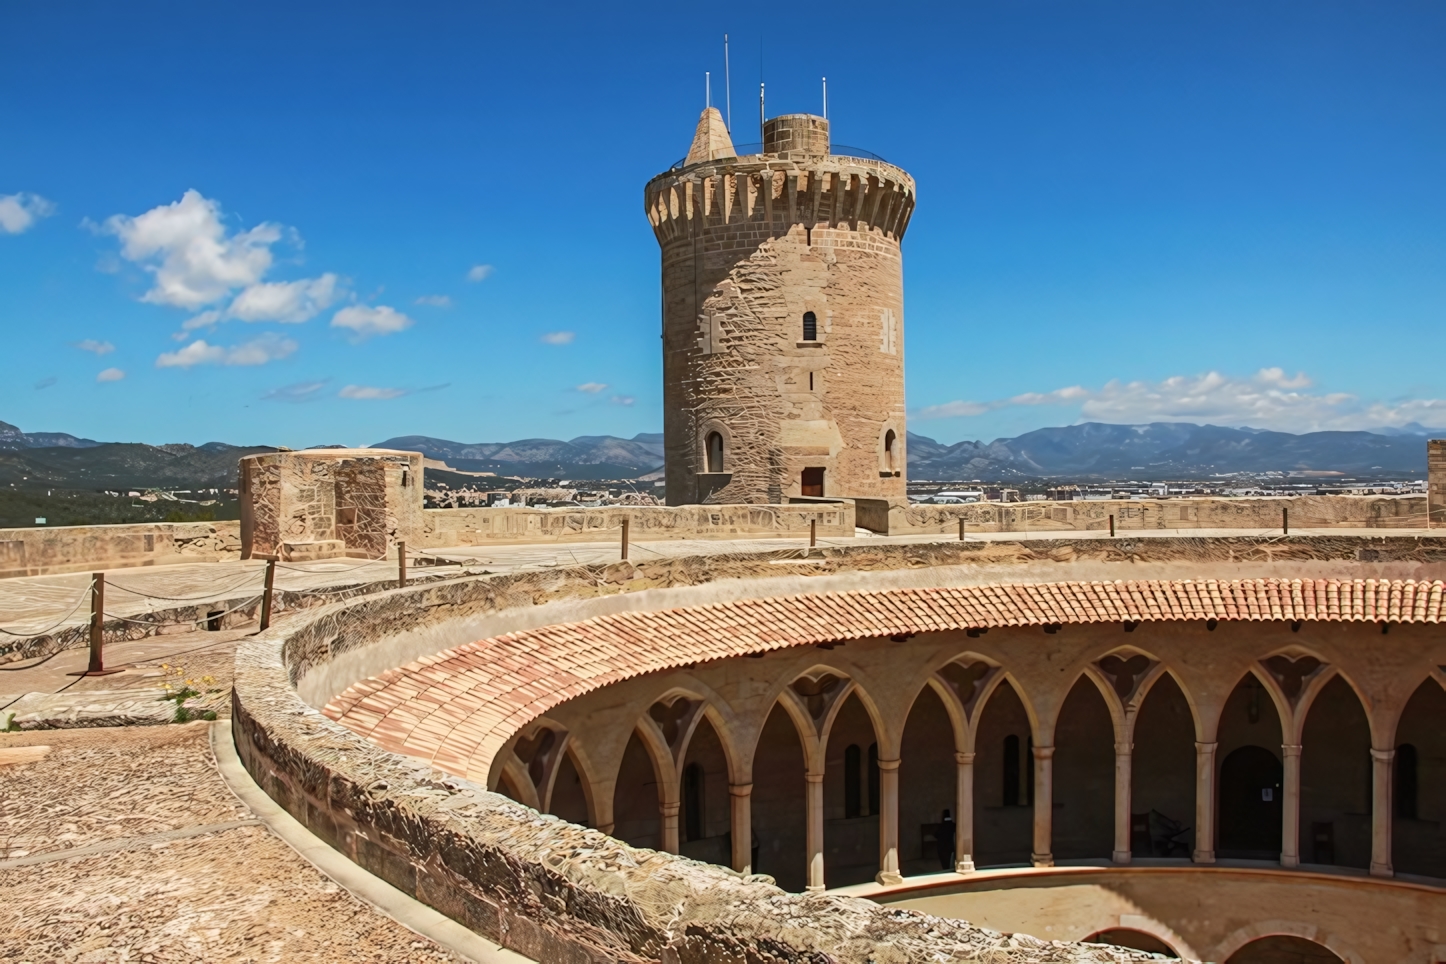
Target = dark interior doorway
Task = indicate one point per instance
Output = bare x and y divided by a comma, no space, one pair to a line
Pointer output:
813,482
1281,949
1250,804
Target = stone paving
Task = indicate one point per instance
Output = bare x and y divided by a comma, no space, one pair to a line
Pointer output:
32,604
188,875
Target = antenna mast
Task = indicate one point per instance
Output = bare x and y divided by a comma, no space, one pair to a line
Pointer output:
707,89
760,110
825,98
727,88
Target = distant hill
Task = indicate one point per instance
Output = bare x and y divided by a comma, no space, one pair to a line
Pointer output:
1162,450
11,438
125,465
585,457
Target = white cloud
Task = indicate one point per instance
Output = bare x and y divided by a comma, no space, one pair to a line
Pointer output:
368,393
18,212
623,399
269,347
206,319
1269,399
436,301
480,272
186,249
296,392
99,347
558,338
45,383
289,302
592,388
367,321
110,375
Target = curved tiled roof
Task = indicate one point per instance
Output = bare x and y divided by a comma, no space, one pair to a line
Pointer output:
460,706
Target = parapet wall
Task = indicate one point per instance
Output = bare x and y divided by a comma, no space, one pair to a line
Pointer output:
1261,514
476,527
43,551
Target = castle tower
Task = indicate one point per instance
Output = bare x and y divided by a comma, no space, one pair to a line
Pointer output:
783,311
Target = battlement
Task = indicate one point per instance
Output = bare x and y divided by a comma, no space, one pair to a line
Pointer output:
827,190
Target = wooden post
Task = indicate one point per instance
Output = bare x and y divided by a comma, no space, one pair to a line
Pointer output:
812,533
96,666
1285,520
961,531
266,594
625,540
401,565
1112,525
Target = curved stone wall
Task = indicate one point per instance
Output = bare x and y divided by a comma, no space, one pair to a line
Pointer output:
556,891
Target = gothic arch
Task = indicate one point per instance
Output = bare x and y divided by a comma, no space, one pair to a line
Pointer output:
1148,685
999,679
1285,928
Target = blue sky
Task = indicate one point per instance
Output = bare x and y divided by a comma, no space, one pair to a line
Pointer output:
318,223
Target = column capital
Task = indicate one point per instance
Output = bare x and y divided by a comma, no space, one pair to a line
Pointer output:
740,789
964,759
1290,749
669,809
888,764
1124,749
1043,753
1384,756
813,777
1205,747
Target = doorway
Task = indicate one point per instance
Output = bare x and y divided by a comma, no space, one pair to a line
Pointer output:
813,482
1250,804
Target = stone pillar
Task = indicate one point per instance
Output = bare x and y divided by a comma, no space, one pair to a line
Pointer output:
964,813
1290,807
1382,810
889,823
1124,753
814,841
602,805
1205,803
740,798
669,813
1043,807
1436,482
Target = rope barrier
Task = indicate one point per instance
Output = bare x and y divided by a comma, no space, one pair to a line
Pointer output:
78,603
211,594
194,622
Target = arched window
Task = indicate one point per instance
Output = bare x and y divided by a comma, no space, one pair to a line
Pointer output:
853,780
693,802
810,326
715,451
890,438
1407,781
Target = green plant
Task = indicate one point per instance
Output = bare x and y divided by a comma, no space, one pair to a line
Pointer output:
177,688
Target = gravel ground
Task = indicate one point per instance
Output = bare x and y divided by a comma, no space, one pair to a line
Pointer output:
235,895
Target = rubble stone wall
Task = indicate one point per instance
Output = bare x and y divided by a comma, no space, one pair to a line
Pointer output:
1265,514
54,549
1436,479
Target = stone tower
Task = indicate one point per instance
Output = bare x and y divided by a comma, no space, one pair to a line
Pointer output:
783,317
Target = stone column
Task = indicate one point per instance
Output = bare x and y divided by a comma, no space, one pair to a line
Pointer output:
669,813
1382,811
1043,807
964,813
1290,807
814,840
1205,803
889,823
740,826
602,804
1124,755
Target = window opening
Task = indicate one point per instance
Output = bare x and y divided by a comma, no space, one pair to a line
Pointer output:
810,381
715,451
693,802
873,778
889,439
813,482
853,780
1407,781
810,326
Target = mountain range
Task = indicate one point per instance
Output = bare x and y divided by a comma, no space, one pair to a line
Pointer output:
1091,450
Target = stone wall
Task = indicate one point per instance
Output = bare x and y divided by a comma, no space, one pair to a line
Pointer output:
52,549
1264,514
476,527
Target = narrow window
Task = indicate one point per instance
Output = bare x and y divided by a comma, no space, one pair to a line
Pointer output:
853,780
404,478
889,439
873,778
1011,771
715,452
810,381
1407,781
810,326
693,802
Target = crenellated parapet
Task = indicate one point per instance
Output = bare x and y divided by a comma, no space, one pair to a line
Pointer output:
775,193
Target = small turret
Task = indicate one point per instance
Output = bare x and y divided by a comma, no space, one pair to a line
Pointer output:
710,140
